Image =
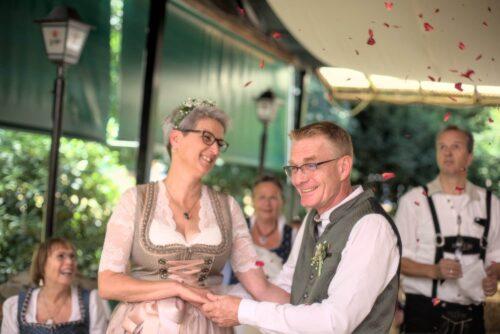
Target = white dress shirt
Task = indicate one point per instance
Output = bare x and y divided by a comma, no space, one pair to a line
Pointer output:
414,222
370,260
99,312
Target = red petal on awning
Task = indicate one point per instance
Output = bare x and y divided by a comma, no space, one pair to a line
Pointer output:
248,83
431,78
461,45
276,35
388,5
467,74
458,86
479,56
428,27
447,116
388,175
262,63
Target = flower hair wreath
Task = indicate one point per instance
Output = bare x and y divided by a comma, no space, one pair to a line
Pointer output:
186,108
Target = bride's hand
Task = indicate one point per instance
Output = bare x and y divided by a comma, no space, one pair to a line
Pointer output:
193,295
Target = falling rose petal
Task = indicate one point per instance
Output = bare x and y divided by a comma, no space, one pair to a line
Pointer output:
424,193
240,10
248,83
439,79
479,56
428,67
388,175
489,9
348,79
386,24
467,74
418,240
259,263
421,15
435,301
490,120
492,59
417,203
431,78
396,26
357,52
459,189
276,35
461,45
262,63
452,98
458,86
485,23
453,71
428,27
370,32
436,10
388,5
447,116
479,79
370,41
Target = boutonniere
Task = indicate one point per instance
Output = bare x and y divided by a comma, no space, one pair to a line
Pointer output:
319,257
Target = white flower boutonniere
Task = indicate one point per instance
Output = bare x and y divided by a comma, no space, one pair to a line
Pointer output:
319,257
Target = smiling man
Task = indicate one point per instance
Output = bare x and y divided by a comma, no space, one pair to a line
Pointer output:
342,273
451,241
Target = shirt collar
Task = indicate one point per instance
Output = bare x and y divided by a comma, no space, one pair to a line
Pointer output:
435,187
325,216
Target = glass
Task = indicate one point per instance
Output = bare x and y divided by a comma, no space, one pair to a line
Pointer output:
209,138
309,167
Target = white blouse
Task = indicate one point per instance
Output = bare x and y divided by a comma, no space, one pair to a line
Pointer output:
120,231
99,312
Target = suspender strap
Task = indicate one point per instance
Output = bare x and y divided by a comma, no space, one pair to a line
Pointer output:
439,237
484,239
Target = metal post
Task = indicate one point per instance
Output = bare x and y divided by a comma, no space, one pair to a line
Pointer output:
57,114
154,45
263,142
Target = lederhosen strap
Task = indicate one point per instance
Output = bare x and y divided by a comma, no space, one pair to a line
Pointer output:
439,238
484,240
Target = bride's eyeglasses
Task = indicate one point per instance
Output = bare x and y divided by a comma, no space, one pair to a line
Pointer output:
209,138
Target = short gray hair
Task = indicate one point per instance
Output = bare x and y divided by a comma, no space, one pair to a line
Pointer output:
191,120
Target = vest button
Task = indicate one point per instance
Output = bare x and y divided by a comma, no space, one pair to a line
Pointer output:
311,276
162,261
205,270
208,261
305,295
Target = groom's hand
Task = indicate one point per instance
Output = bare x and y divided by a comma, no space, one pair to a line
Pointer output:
223,310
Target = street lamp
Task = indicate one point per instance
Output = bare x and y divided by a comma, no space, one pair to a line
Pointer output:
64,35
267,107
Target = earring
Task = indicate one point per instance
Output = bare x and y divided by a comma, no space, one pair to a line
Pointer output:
40,282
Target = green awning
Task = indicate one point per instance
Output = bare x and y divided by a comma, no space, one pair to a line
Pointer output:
27,76
202,59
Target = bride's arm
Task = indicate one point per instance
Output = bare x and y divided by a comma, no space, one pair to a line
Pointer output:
256,283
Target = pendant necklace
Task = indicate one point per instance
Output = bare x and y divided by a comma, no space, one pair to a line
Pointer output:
185,213
264,237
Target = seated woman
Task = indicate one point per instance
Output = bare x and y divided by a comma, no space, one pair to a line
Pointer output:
57,305
176,235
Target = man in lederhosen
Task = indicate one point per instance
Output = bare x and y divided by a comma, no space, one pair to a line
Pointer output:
450,229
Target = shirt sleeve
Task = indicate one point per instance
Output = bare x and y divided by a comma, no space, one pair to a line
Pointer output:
99,313
493,248
405,222
369,262
119,234
243,254
9,321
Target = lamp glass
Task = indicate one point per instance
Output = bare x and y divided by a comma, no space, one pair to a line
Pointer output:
54,36
76,37
267,109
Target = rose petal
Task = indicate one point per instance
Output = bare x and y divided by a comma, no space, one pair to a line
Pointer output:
439,79
388,175
453,71
458,86
490,119
276,35
396,26
428,27
461,45
424,193
431,78
370,32
485,23
357,52
262,63
492,59
452,98
240,10
489,9
421,15
388,5
447,116
417,203
435,301
459,189
259,263
386,24
479,56
467,74
370,41
248,83
436,10
428,67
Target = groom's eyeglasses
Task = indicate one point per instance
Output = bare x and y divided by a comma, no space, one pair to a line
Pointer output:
305,168
208,138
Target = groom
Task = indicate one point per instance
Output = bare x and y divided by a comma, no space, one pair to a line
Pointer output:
343,271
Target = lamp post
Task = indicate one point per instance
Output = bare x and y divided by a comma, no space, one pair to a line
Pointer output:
267,107
64,35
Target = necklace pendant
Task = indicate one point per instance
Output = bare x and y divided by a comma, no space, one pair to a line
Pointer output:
262,240
186,215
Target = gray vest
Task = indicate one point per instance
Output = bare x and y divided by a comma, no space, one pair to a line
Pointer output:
308,288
